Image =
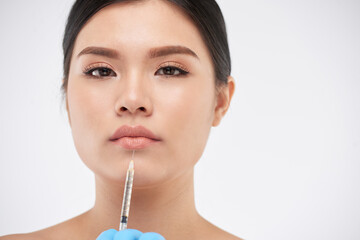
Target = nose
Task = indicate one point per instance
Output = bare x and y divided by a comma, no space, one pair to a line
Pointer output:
134,99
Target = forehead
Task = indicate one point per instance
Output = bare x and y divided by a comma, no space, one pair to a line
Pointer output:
141,25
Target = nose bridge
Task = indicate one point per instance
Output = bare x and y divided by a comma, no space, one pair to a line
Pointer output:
133,93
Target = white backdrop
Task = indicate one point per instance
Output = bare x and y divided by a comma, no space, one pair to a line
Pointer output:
289,147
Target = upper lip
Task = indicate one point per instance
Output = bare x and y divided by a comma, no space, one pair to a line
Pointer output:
136,131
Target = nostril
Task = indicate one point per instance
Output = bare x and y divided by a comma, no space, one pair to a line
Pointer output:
125,109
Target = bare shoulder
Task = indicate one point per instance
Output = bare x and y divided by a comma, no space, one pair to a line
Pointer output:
210,231
56,232
226,236
232,237
44,234
26,236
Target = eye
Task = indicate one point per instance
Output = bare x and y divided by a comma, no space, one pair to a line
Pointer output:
171,71
100,72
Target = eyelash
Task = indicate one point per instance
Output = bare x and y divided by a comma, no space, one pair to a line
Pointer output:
98,66
172,67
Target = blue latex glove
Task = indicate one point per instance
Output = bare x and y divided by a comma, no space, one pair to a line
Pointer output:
128,234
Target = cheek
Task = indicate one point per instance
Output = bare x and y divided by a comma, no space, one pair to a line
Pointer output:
86,110
83,108
189,112
89,103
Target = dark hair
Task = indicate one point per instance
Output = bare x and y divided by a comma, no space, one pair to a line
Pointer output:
206,15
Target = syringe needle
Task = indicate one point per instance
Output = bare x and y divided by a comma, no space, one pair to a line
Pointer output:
127,195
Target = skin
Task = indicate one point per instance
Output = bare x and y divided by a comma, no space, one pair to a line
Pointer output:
179,109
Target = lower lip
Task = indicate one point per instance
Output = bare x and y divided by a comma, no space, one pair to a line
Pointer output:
134,142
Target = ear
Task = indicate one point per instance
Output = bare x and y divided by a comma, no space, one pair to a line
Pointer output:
67,103
67,109
223,100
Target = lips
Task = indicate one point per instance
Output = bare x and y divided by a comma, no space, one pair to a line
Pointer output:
137,137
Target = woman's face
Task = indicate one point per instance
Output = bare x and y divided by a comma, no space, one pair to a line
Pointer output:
141,64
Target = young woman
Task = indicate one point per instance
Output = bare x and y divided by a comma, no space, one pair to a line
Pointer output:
149,77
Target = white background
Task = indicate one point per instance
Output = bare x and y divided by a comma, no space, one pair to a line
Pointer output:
285,162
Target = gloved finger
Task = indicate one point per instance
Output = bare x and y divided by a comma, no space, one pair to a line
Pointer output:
128,234
107,235
151,236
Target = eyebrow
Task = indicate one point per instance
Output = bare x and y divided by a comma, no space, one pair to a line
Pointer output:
153,53
105,52
169,50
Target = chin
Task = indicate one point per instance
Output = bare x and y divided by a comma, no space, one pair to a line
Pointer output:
153,166
148,171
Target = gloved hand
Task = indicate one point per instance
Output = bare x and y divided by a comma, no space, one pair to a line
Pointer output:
128,234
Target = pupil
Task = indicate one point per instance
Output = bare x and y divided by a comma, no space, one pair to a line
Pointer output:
104,72
168,70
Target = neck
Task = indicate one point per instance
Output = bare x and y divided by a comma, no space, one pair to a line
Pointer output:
163,208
